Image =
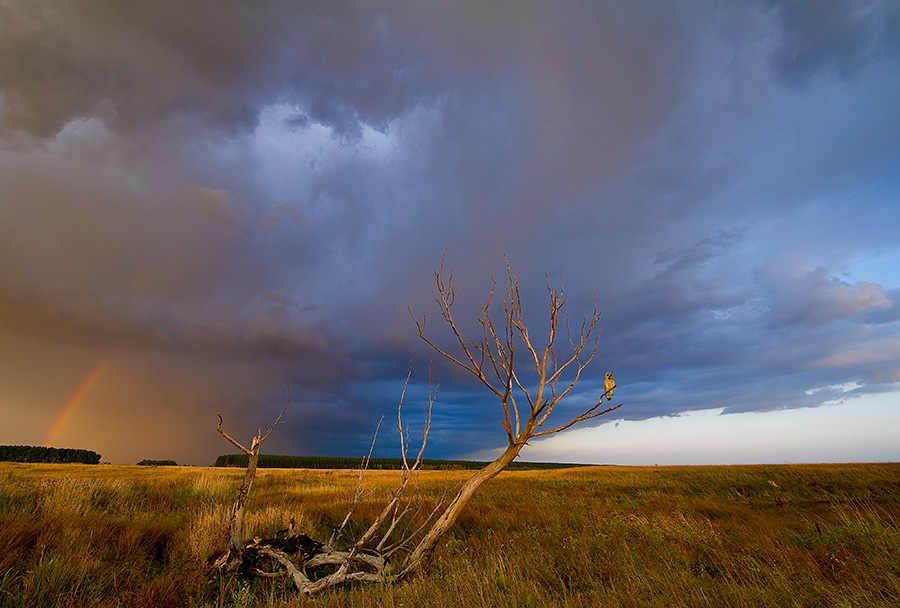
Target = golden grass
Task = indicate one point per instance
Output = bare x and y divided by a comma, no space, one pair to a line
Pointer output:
790,535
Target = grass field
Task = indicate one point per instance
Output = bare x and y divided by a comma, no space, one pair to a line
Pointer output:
787,535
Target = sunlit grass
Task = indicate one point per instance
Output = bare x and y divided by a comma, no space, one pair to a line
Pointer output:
810,535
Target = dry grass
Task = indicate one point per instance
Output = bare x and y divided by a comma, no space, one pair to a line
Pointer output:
811,535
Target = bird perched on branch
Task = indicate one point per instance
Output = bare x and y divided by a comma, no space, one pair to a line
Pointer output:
608,385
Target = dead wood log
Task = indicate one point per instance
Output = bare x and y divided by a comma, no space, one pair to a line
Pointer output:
301,556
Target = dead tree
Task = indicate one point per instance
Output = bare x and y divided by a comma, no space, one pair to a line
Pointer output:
234,559
527,406
529,387
302,557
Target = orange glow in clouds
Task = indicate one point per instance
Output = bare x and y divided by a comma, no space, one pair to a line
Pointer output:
74,402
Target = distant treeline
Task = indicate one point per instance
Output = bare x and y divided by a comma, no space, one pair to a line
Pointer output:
272,461
146,462
31,453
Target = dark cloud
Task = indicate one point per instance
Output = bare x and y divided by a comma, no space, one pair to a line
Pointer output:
838,35
221,199
817,298
129,65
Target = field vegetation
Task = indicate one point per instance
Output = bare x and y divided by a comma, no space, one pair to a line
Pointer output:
787,535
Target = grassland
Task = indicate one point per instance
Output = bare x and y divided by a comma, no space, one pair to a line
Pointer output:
805,535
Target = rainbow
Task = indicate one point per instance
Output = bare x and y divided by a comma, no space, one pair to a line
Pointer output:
73,403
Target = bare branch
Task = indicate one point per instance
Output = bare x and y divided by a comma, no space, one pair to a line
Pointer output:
280,416
229,437
400,419
396,517
299,577
432,396
445,300
260,437
581,418
358,494
387,552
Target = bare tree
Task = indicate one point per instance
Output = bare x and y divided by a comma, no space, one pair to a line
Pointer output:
528,386
299,555
526,405
233,560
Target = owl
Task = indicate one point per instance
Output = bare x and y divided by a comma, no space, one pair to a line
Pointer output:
608,385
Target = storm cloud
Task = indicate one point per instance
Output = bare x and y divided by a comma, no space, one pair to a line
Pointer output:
221,199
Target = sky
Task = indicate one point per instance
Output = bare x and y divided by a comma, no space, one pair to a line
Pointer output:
220,206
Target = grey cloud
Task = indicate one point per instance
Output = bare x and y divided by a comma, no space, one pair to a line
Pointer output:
817,298
261,191
72,320
686,293
702,250
839,35
127,64
136,64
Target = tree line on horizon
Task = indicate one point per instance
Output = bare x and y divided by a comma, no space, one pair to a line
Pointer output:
33,453
274,461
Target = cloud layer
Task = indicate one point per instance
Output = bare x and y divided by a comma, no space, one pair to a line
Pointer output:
222,199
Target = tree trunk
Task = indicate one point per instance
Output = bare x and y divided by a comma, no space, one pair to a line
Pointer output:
448,517
236,545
